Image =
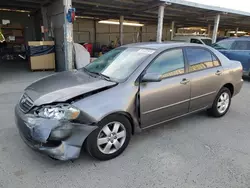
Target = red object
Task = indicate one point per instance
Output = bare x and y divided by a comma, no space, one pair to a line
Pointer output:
88,47
73,16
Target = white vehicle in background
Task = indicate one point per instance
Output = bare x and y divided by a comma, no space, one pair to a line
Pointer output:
193,39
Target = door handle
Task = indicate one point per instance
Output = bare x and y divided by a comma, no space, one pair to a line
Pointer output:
184,81
218,73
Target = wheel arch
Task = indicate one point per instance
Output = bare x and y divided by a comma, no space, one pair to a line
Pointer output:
230,87
126,115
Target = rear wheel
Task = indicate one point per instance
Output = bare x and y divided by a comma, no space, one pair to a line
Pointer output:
110,139
221,103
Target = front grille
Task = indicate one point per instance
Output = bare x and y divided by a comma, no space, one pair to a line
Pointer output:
25,103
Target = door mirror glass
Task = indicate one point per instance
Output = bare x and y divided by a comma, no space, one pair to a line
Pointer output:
151,77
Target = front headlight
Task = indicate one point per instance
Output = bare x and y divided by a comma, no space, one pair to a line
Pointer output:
59,112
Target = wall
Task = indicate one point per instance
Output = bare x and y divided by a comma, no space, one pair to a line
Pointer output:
84,31
21,18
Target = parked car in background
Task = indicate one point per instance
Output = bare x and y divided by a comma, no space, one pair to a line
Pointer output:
236,49
193,39
220,38
127,90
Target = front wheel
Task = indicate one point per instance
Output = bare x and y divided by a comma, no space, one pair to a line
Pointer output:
110,139
221,103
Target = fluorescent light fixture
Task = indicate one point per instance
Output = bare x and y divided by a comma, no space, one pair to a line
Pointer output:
113,22
238,32
14,10
86,17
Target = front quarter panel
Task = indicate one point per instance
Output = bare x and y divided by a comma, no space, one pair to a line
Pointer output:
121,98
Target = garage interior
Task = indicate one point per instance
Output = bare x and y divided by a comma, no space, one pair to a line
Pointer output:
105,25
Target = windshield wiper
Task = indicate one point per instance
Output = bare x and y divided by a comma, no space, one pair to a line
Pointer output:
105,77
100,75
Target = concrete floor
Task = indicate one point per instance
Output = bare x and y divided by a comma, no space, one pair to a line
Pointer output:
196,151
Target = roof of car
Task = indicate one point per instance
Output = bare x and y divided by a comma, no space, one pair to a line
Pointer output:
237,38
156,45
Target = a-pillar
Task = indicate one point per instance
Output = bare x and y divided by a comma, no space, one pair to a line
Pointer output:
216,26
121,29
160,23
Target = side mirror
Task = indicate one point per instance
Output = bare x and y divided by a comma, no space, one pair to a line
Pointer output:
151,77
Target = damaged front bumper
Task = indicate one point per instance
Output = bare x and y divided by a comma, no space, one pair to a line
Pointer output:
36,133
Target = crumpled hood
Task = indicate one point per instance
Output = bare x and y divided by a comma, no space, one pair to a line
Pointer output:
64,86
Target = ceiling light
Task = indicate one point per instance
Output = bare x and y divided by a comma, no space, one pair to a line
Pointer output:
13,10
136,24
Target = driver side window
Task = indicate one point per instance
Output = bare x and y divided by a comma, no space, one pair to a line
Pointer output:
168,64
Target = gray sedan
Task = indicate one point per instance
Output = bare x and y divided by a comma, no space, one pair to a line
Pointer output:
123,92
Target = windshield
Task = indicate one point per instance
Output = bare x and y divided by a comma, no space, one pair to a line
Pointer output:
223,45
119,63
207,41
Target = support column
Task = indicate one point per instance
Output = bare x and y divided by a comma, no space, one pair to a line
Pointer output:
168,37
208,29
216,26
45,23
160,23
121,29
236,31
68,37
173,30
141,33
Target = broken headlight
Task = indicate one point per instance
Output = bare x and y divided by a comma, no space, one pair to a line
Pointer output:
59,112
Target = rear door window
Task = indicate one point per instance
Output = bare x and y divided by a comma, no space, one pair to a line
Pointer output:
200,59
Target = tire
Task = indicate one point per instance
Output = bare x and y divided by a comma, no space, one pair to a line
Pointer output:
106,144
217,110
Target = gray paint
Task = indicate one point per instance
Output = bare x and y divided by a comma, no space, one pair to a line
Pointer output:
155,107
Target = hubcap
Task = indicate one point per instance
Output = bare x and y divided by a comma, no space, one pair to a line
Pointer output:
111,138
223,102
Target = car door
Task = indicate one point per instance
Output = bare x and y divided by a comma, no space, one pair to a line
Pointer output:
205,73
161,101
241,52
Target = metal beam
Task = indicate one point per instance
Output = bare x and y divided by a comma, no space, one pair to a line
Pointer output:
216,26
160,23
30,1
17,5
108,5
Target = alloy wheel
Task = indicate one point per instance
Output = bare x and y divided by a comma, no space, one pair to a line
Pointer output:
111,137
223,102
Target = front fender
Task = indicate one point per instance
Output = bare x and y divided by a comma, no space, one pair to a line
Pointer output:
119,99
